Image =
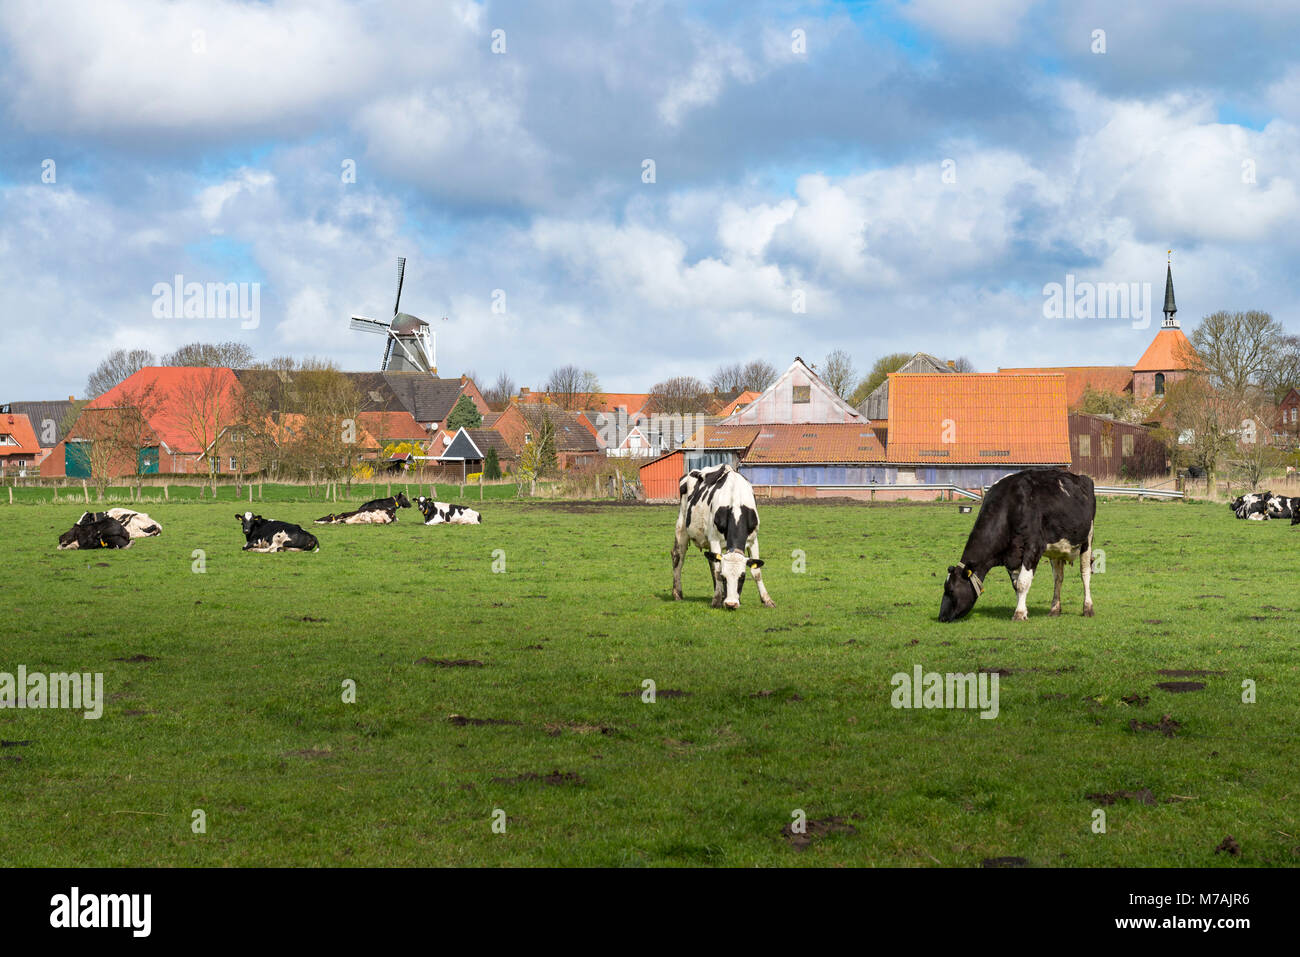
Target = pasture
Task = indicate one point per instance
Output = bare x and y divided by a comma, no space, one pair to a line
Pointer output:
224,693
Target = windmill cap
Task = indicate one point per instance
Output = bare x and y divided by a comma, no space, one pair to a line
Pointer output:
405,322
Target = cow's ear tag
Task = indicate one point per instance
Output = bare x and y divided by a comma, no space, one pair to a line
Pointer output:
969,572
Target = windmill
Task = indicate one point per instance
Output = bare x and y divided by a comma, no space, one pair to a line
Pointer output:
410,346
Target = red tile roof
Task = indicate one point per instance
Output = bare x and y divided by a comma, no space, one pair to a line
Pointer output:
1114,379
1168,352
977,418
738,403
183,395
19,428
816,443
393,426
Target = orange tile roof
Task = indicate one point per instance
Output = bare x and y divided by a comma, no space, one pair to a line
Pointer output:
816,443
741,400
170,385
723,437
292,423
1167,352
394,426
978,418
20,427
1114,379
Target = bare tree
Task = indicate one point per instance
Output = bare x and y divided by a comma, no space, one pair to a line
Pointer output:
202,405
838,373
119,366
728,379
499,393
679,395
572,388
758,375
1235,350
963,364
1283,372
231,355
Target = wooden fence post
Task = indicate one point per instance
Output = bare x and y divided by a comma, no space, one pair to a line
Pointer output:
85,491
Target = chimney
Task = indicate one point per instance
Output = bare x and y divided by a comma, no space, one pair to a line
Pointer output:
71,399
523,390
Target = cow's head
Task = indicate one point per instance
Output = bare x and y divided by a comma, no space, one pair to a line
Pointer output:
69,538
247,520
425,506
403,501
731,568
960,589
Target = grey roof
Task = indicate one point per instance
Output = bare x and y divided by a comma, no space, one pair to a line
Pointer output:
428,398
1170,308
491,439
39,412
463,447
876,405
570,433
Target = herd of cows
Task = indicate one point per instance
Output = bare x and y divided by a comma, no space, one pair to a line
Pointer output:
119,527
1262,506
1024,517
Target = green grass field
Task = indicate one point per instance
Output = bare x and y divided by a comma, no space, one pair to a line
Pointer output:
239,712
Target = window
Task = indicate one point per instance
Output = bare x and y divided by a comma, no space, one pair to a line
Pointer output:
528,437
1126,445
1085,446
801,394
233,466
1160,383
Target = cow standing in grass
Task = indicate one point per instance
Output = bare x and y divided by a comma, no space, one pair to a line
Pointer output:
718,514
1023,517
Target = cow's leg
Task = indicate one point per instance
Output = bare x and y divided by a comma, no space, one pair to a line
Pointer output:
757,574
1085,571
1058,575
1021,582
679,556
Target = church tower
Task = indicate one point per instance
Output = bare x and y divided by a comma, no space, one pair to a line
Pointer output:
1165,361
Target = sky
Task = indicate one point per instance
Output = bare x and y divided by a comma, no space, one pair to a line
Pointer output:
896,176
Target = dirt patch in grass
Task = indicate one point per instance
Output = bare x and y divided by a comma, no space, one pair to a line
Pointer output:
813,830
554,778
310,618
1137,700
134,659
997,671
14,744
1175,673
1180,687
1142,796
1166,725
1229,846
460,721
556,728
1004,862
450,662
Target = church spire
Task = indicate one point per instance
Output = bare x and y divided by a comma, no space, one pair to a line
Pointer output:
1170,310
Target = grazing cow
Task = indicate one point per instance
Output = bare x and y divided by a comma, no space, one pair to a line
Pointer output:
90,531
441,513
1023,517
268,536
379,511
719,515
138,524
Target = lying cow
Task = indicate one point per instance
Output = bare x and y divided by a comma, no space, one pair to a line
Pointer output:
1023,517
268,536
1253,506
719,515
441,513
1279,506
91,531
138,524
379,511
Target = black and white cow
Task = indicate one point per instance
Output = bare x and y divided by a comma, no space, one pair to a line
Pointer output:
138,524
719,515
263,535
441,513
1279,506
379,511
1023,517
1253,506
96,531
